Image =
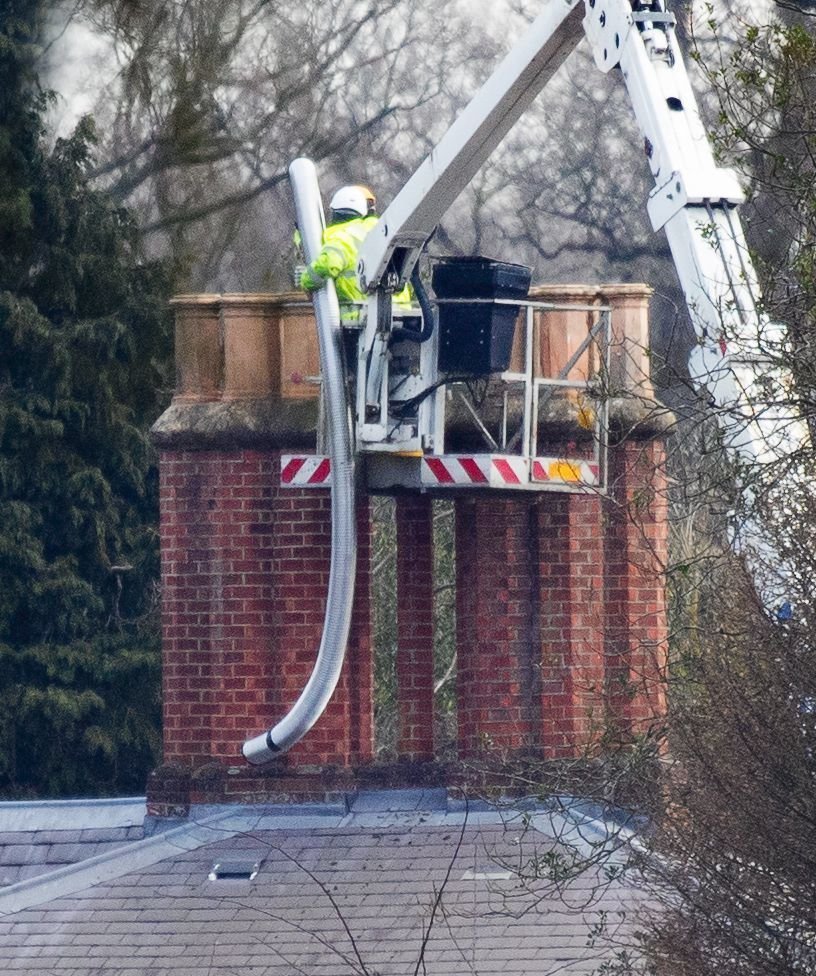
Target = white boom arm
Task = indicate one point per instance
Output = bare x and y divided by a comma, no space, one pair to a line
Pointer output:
693,199
393,247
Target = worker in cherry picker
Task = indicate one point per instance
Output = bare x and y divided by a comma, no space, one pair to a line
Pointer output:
352,217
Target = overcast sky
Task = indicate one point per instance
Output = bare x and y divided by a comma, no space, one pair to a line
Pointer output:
81,63
78,60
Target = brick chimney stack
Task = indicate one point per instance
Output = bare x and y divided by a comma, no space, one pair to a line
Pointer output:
560,611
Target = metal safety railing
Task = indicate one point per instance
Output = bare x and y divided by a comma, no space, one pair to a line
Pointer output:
535,390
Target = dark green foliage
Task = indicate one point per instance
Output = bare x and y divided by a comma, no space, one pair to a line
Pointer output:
80,719
84,350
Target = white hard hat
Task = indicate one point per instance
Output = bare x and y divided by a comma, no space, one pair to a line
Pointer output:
357,198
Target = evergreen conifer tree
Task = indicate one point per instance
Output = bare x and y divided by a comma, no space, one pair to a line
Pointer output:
84,352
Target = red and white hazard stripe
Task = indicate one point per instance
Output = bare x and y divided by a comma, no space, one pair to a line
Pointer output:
490,470
305,471
459,470
565,471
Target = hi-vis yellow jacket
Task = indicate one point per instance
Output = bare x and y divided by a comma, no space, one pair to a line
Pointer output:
338,260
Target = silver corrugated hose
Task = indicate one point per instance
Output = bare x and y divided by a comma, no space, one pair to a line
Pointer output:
323,680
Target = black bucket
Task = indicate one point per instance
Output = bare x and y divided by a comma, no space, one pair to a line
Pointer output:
477,338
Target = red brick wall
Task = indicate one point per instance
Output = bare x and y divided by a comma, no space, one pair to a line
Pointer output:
496,670
561,626
570,600
244,574
561,616
636,551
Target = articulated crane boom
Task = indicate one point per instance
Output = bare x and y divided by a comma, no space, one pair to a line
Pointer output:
693,200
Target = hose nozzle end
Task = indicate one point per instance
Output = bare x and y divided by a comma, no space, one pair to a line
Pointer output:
260,750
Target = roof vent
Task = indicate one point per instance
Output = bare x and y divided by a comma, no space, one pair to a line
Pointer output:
495,874
234,870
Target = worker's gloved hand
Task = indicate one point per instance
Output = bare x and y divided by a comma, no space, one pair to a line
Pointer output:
297,275
309,281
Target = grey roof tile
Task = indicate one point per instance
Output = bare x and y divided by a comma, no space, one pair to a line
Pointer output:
17,837
111,834
60,836
15,854
27,871
165,918
68,853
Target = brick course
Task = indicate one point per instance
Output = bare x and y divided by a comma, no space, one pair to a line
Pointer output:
561,615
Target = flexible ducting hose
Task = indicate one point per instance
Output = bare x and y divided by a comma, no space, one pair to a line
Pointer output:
323,680
411,335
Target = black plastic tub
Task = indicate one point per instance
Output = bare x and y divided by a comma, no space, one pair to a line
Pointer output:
477,338
479,277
